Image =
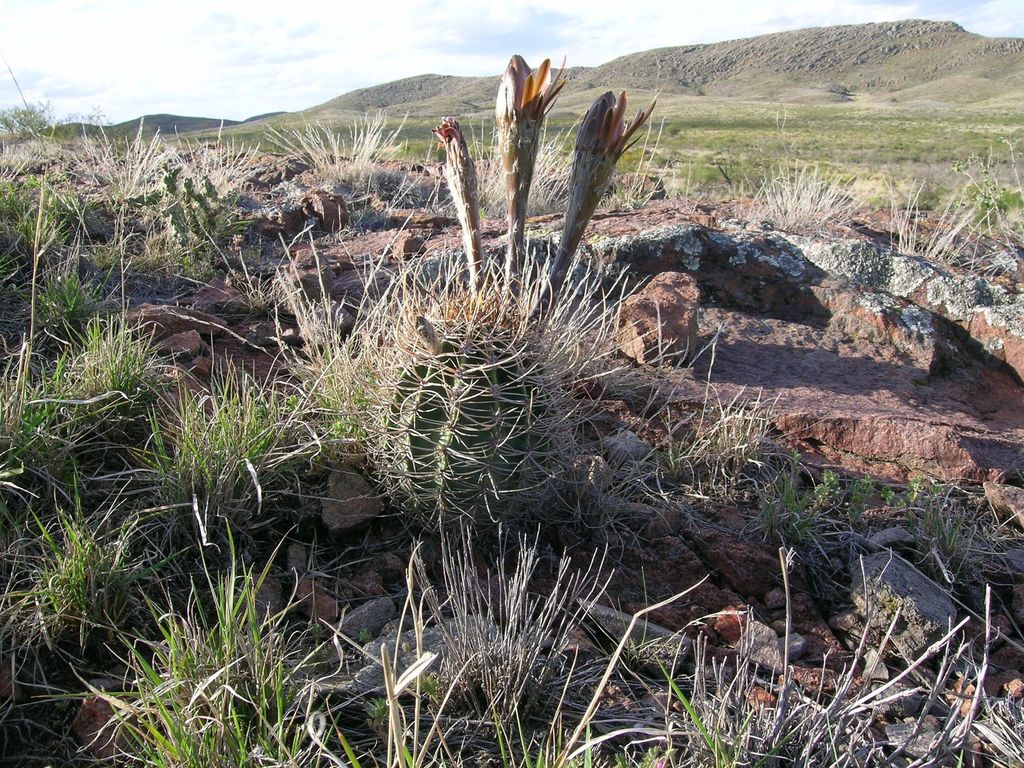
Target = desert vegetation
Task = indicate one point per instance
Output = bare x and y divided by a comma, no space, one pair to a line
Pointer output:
317,450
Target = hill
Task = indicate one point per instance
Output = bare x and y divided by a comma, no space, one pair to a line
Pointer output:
906,62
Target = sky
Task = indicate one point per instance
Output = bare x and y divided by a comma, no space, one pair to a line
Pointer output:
237,59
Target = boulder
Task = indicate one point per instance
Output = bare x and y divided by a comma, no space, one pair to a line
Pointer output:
659,322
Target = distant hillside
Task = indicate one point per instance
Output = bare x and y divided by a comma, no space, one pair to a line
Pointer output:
905,62
168,125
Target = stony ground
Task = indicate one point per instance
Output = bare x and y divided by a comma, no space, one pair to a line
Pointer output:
817,391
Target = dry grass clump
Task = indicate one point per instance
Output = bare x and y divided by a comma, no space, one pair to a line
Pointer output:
800,198
550,179
336,161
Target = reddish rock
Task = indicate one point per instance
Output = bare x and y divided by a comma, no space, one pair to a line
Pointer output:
202,367
856,403
218,296
415,219
1007,500
407,245
729,625
1000,341
95,728
660,320
165,320
752,568
313,283
277,221
351,502
186,344
316,602
1013,689
330,210
759,698
367,583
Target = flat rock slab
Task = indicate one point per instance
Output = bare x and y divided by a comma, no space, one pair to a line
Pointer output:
860,404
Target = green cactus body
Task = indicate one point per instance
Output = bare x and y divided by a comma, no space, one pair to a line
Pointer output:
471,428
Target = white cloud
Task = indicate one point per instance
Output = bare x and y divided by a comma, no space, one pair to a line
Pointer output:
234,59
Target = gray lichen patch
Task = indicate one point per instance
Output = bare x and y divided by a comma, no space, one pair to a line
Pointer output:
680,239
917,321
870,266
963,296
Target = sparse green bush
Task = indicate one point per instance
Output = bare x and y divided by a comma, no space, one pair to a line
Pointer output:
28,121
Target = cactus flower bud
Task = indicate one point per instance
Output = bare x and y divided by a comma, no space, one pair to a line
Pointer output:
461,176
524,98
602,139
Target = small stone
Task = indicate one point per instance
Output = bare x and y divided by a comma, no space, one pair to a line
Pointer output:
1007,500
370,679
625,447
765,647
1014,560
218,296
297,558
330,210
774,599
797,646
889,585
612,624
1014,689
165,320
185,344
729,625
202,367
874,667
893,538
343,321
407,245
350,503
369,618
759,697
95,728
659,322
317,602
919,745
847,622
290,337
268,598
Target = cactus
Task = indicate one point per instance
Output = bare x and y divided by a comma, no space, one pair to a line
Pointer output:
470,418
469,422
195,215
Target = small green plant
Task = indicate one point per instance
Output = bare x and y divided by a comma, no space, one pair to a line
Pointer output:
195,215
998,205
64,306
34,215
86,577
791,514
